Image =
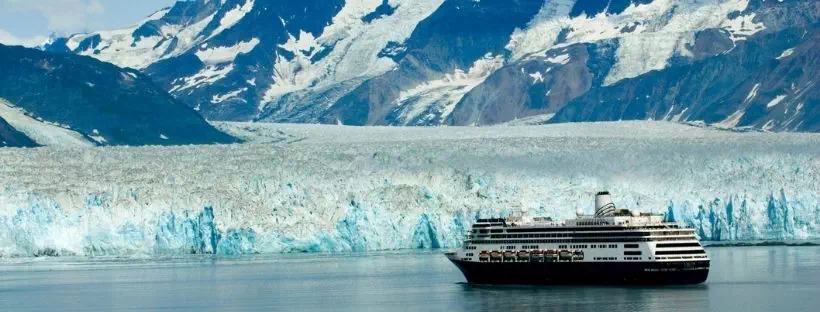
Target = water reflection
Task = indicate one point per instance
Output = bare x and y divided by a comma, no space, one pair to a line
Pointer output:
582,298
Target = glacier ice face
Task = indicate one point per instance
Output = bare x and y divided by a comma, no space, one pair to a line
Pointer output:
306,188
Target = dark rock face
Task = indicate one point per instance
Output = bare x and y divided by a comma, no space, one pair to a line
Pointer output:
10,137
99,99
466,62
539,85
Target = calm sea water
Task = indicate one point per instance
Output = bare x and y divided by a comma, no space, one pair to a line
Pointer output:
742,279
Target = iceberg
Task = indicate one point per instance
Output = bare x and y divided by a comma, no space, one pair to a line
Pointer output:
312,188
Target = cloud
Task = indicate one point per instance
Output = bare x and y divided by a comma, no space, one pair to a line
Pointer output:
9,39
63,16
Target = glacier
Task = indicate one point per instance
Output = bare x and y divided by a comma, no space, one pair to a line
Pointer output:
317,188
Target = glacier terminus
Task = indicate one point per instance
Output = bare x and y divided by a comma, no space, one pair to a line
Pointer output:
315,188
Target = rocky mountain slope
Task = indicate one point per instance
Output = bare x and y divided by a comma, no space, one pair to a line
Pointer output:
10,137
467,62
68,100
768,82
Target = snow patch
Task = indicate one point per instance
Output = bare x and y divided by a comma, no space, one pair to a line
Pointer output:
158,14
679,117
786,54
219,98
232,17
562,59
537,77
219,55
776,101
743,27
95,135
732,121
768,126
752,94
206,76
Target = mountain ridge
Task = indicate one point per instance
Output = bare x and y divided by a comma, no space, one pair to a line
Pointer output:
77,100
454,62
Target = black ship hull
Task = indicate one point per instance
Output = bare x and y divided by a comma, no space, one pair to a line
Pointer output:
567,273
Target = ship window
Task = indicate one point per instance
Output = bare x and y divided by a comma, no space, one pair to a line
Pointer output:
630,245
673,245
632,253
679,252
482,231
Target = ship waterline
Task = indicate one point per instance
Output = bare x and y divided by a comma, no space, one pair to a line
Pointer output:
614,246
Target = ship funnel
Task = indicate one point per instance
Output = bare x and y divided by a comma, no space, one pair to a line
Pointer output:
603,205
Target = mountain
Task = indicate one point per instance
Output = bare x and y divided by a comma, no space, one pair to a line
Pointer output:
468,62
63,99
768,82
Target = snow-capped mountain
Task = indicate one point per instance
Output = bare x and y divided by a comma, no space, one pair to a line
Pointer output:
728,63
49,99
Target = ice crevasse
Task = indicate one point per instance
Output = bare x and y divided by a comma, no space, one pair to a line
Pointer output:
379,196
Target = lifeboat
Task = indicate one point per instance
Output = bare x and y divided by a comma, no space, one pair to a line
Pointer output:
578,255
509,256
523,256
537,256
564,255
550,255
484,256
495,255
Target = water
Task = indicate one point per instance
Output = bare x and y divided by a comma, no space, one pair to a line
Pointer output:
742,279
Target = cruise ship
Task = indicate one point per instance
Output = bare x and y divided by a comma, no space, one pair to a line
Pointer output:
614,246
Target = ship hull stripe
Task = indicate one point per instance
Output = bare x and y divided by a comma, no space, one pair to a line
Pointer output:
559,273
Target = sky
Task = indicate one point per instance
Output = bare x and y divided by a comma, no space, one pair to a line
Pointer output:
29,22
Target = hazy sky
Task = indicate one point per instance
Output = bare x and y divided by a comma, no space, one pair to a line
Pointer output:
31,21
